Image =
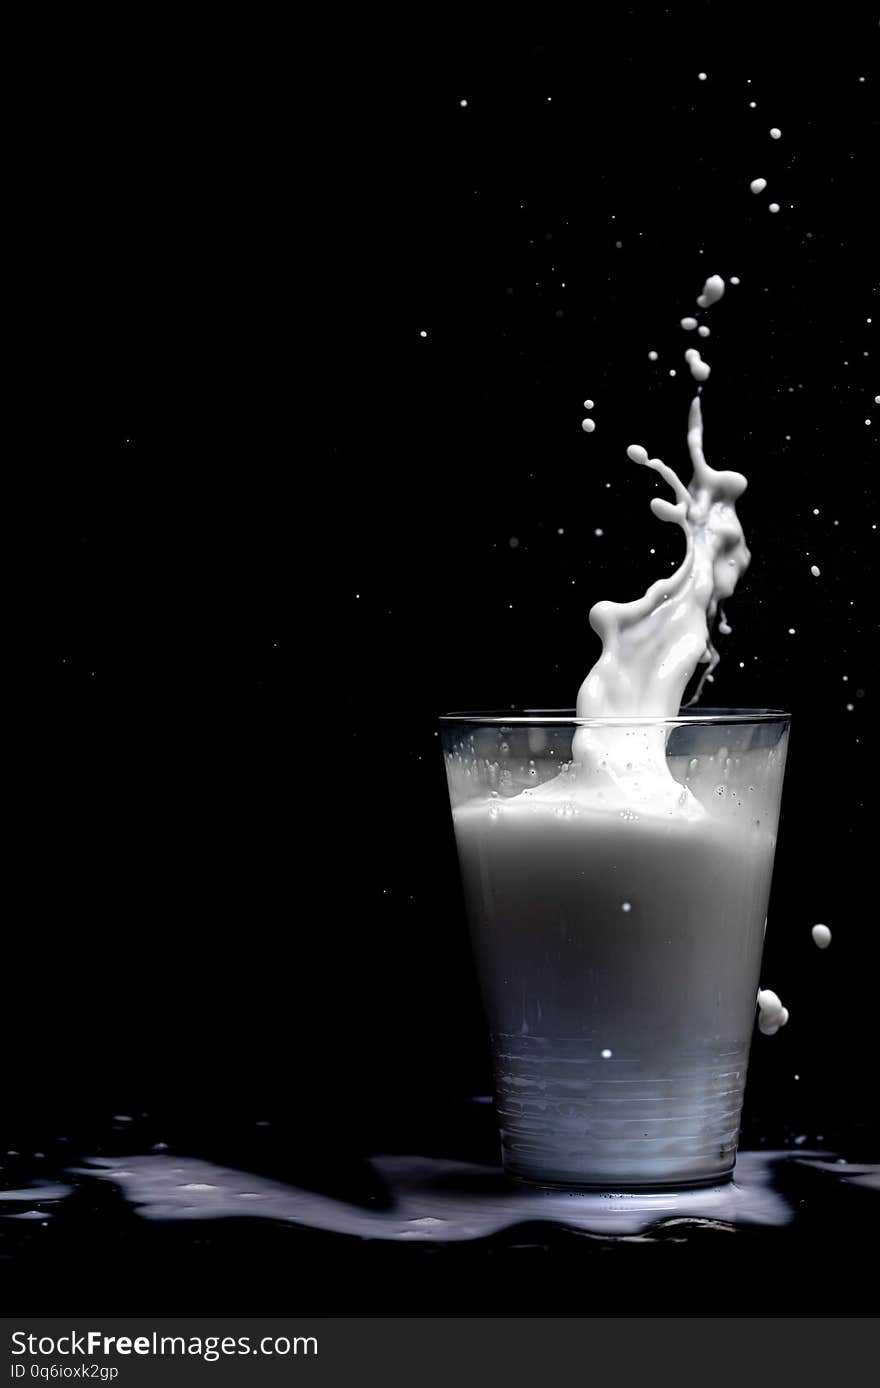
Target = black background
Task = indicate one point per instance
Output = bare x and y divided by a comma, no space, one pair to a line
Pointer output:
264,529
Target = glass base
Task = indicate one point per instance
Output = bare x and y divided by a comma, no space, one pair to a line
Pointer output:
620,1188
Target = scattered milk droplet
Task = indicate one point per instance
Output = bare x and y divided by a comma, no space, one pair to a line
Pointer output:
713,290
699,369
772,1015
821,936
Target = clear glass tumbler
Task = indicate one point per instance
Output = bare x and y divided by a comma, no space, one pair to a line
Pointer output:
618,925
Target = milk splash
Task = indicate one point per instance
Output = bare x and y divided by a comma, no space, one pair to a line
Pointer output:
652,647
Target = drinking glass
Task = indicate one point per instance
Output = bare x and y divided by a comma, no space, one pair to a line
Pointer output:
618,946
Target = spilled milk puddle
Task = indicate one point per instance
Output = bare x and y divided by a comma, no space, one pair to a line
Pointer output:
433,1200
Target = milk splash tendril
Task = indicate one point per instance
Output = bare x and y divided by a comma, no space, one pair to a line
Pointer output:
651,647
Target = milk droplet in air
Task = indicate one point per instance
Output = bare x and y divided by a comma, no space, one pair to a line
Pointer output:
814,570
701,76
713,289
771,1014
699,369
734,279
775,133
652,356
758,185
774,207
821,936
588,404
606,1054
688,324
703,331
588,425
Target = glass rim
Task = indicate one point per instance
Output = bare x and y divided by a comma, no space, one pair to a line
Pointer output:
568,717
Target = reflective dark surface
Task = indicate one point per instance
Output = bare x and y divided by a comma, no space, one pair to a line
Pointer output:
250,1221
